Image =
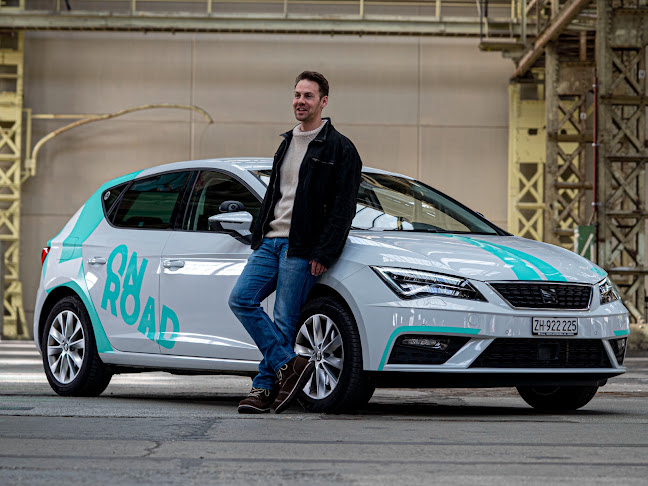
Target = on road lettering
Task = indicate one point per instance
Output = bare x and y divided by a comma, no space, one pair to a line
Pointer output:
124,284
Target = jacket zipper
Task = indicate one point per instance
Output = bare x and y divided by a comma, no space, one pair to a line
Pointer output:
318,141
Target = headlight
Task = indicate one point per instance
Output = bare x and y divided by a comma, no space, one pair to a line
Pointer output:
609,292
414,284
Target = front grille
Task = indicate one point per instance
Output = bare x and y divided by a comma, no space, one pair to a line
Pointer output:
547,295
421,355
543,353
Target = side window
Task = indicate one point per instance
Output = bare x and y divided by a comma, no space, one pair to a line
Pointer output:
210,191
109,197
149,203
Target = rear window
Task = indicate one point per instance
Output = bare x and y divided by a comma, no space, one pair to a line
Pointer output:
150,202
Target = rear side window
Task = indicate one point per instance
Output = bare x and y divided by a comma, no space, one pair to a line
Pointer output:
109,197
150,202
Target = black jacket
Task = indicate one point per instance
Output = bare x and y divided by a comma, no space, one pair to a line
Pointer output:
325,200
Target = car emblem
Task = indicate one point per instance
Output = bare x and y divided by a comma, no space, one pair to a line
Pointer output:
549,296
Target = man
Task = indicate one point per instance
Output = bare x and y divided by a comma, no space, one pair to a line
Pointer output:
300,231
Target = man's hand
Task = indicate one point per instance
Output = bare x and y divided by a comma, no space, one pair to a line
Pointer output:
317,268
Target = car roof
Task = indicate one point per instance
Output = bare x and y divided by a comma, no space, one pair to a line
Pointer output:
241,163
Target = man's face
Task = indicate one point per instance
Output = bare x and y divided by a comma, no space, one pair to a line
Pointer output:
307,103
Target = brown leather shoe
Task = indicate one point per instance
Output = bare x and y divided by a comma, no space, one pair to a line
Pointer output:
292,378
257,401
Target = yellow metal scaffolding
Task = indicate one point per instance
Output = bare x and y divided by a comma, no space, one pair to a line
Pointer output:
526,163
11,142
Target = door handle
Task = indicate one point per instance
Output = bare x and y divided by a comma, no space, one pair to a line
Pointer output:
97,261
173,263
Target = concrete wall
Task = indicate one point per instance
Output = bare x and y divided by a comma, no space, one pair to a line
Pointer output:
432,108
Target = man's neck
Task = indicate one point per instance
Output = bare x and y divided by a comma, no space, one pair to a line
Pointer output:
307,127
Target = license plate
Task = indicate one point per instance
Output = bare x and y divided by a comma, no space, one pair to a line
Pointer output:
554,326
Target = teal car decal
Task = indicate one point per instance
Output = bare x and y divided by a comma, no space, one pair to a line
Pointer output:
124,287
103,344
599,271
525,266
89,219
427,329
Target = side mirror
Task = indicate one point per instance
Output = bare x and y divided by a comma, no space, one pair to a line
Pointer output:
238,222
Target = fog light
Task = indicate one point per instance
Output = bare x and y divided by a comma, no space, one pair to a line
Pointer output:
440,344
425,349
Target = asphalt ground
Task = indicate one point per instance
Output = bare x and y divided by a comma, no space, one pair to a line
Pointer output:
159,429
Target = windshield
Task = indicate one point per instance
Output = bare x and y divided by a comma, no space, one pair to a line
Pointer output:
392,203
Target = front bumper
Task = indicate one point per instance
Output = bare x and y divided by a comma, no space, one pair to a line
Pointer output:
384,320
488,379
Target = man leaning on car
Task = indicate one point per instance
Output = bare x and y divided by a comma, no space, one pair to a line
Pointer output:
300,231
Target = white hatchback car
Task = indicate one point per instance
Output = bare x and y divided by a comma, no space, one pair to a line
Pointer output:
426,293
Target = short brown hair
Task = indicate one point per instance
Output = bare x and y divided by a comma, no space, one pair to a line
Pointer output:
316,78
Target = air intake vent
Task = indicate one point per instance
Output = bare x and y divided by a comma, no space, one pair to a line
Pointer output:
543,353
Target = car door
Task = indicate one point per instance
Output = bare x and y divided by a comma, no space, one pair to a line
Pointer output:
200,268
122,261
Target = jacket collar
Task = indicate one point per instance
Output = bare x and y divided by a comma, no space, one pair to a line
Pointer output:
321,136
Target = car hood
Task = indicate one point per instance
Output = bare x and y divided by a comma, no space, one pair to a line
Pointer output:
486,258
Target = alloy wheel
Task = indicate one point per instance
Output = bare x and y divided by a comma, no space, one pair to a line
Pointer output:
65,347
319,339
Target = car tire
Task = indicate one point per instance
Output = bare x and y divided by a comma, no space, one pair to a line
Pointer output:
329,337
70,358
557,398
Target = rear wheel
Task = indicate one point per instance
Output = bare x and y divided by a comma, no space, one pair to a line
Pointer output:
70,358
557,398
330,338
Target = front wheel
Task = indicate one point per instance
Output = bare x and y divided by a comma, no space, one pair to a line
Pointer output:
70,358
330,338
557,398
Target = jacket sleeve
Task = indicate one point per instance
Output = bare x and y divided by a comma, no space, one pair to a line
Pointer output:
340,215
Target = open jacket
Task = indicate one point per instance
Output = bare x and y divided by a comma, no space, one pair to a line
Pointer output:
325,200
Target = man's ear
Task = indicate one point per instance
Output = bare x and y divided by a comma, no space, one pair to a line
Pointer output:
324,102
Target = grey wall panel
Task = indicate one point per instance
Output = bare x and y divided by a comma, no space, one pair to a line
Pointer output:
469,164
430,108
462,86
102,73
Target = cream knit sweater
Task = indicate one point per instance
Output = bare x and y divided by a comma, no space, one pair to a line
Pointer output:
288,178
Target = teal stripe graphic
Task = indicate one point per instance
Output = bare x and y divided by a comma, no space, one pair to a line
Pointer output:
426,329
621,333
521,263
519,267
88,221
550,272
103,344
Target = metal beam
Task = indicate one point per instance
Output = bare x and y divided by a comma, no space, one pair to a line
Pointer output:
526,165
30,161
11,142
622,45
256,23
558,24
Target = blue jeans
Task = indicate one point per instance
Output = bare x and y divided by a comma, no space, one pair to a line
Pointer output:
269,269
